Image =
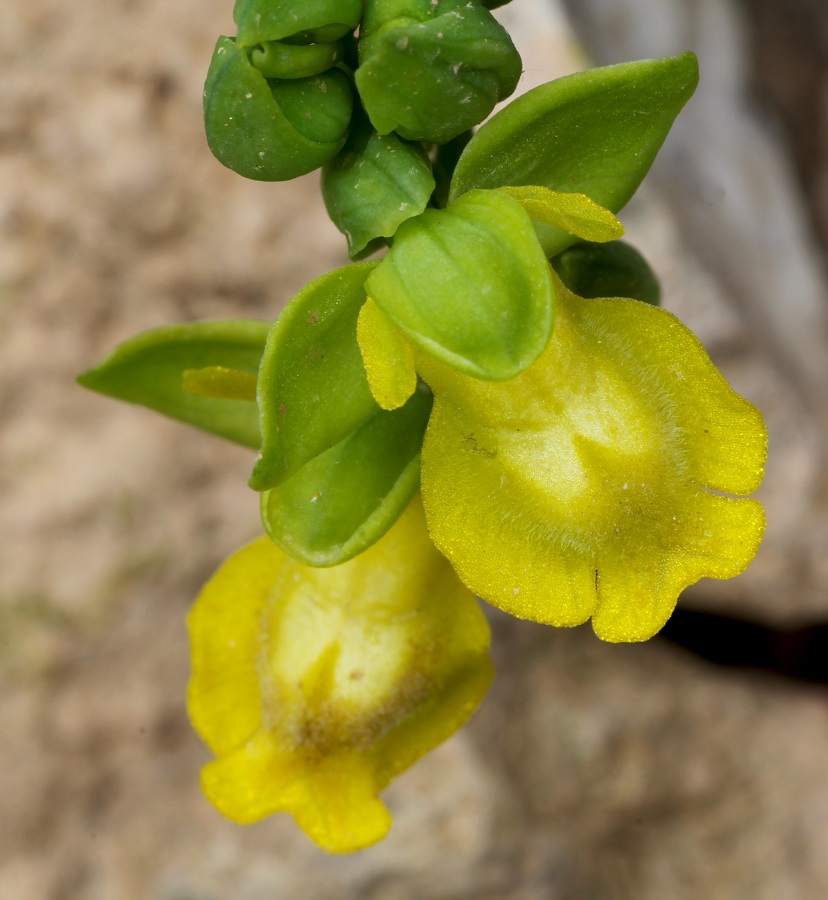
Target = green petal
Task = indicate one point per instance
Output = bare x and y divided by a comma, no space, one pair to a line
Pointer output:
312,387
344,500
595,133
470,285
149,370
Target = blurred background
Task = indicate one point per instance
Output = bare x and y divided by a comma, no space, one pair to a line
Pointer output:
692,766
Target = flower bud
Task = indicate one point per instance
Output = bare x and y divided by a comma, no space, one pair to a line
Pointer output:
373,185
305,22
272,129
430,71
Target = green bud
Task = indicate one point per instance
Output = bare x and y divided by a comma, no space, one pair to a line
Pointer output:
272,130
607,270
303,21
373,185
430,71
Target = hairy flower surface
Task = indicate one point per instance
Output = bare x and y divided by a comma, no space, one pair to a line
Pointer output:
314,687
585,486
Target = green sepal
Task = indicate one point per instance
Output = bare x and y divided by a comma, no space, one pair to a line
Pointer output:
433,79
373,185
595,133
149,370
272,130
470,285
313,391
615,269
345,499
304,21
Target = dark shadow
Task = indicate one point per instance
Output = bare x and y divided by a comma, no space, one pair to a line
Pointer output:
797,654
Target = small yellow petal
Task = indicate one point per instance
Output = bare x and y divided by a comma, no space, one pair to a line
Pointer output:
220,383
316,686
387,356
575,213
581,487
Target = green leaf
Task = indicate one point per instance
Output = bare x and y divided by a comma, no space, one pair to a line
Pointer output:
306,21
373,185
432,79
272,130
149,370
595,133
470,285
607,270
345,499
313,391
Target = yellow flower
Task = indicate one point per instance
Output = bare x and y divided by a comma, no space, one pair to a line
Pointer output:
590,484
314,687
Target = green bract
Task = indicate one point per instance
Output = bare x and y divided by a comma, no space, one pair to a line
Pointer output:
304,21
270,129
595,133
470,285
345,499
313,391
607,270
149,370
373,185
430,71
